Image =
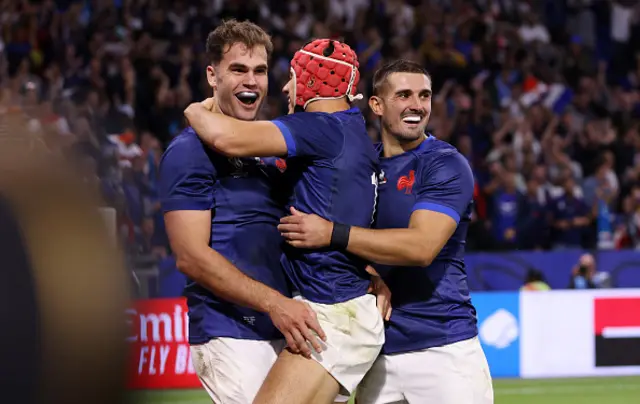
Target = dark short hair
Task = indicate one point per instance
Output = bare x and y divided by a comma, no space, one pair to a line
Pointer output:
231,32
397,66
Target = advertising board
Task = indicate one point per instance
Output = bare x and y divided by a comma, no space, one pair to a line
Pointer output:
526,334
580,333
159,354
499,331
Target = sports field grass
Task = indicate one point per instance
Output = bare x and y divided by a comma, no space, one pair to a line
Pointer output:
603,390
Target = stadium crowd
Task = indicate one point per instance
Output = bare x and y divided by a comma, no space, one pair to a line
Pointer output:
540,95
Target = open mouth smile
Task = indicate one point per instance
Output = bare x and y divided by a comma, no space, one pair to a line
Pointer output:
247,97
412,119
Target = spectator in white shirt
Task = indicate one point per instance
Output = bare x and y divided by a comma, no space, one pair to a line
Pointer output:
533,31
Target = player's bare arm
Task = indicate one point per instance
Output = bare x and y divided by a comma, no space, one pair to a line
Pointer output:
416,245
234,137
189,233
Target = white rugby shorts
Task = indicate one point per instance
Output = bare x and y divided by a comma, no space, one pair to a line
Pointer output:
355,335
457,373
232,370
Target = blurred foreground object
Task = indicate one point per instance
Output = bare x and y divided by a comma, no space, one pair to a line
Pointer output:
64,290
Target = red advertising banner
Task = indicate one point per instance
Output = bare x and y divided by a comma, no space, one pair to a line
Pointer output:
160,357
617,331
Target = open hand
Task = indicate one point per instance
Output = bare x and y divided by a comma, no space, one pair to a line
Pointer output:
298,324
197,108
210,104
303,230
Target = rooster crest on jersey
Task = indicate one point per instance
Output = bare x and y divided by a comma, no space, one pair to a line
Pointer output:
324,69
406,182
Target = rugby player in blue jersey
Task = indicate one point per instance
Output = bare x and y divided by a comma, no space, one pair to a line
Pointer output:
432,353
333,164
221,216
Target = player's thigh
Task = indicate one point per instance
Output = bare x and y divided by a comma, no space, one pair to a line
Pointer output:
232,370
381,385
480,374
355,335
296,379
452,374
471,363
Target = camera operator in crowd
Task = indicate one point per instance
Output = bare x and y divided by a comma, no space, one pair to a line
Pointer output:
584,275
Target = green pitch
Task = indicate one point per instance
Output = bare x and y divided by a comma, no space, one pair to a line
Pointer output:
603,390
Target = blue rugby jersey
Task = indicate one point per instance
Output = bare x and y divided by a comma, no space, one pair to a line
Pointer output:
334,165
246,200
431,305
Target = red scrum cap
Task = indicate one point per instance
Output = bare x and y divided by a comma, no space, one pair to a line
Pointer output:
324,69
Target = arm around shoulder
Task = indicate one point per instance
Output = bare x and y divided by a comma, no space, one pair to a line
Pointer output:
444,190
234,137
416,245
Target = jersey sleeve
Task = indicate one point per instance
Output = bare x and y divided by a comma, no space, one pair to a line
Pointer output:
187,175
310,134
444,184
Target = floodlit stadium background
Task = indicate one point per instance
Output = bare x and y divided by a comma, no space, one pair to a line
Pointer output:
541,96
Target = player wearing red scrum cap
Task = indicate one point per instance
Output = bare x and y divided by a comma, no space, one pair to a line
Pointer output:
334,165
431,353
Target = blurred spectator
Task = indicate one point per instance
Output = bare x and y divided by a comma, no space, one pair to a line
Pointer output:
585,275
600,191
504,212
147,242
627,231
582,273
535,281
533,30
570,216
533,215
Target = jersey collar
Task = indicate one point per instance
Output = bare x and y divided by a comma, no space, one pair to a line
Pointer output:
423,145
352,110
